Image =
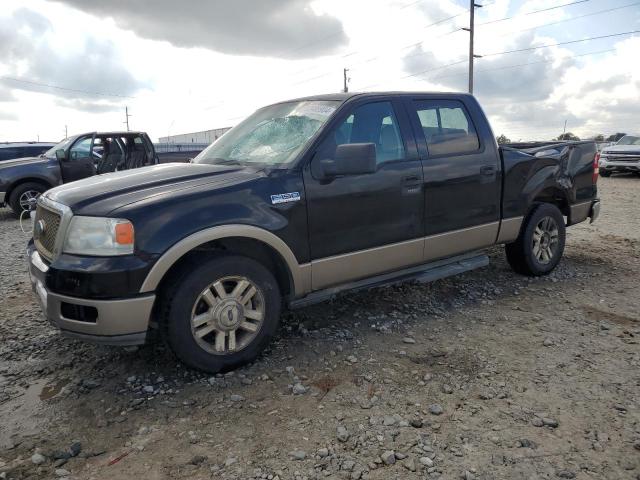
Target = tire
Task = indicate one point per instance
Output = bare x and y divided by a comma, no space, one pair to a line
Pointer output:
200,310
535,253
604,173
19,195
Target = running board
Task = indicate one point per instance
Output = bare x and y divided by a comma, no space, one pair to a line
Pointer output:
425,273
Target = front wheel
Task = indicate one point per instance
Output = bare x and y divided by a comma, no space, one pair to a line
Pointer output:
539,247
222,313
23,197
604,173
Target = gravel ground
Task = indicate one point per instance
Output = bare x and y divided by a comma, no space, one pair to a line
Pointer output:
488,375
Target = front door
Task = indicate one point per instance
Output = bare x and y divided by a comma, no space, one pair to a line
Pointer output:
361,225
461,174
79,162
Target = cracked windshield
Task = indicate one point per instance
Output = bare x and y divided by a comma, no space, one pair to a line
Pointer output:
273,135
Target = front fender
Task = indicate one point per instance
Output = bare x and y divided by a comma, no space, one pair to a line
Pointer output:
300,274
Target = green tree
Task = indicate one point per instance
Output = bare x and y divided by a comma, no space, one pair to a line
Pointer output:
568,136
599,138
502,139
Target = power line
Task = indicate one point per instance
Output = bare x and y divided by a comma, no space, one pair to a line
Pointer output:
422,72
459,29
532,13
436,23
57,87
600,12
462,74
506,67
560,43
341,31
416,54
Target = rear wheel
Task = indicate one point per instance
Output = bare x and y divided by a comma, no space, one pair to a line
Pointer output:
539,247
221,314
23,197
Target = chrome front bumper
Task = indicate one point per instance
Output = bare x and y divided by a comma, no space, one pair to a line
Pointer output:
112,322
619,166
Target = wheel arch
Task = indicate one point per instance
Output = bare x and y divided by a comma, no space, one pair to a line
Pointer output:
553,195
247,240
22,181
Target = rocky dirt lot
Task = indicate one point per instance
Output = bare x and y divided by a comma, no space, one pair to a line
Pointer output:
488,375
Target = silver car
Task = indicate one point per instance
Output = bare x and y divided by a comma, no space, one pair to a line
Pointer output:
624,156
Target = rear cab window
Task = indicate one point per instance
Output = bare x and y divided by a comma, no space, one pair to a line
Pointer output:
447,127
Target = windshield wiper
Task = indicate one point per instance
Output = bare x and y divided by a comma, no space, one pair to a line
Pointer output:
223,161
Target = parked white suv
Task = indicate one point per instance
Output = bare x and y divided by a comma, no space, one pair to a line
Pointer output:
624,156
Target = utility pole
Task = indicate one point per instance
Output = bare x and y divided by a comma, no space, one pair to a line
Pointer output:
126,114
345,89
471,30
565,128
66,134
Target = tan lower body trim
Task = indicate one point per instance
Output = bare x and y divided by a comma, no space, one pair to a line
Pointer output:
510,229
460,241
331,271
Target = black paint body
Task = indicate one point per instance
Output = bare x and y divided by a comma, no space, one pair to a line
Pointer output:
402,200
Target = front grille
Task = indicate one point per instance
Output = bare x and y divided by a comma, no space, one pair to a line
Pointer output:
45,239
623,158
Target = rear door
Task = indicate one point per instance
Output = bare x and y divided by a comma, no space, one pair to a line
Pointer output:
151,152
80,160
461,174
360,225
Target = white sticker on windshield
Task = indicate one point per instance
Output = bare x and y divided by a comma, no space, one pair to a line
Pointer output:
314,110
285,197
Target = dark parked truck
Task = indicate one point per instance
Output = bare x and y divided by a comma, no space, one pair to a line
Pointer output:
24,179
302,200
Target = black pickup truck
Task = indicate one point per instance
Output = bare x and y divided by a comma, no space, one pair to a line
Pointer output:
24,179
302,200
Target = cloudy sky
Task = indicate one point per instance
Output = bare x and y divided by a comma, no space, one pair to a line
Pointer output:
195,65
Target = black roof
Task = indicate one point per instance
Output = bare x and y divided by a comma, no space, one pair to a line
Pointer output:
342,97
117,133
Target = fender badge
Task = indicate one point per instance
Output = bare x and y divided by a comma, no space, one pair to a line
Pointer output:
285,197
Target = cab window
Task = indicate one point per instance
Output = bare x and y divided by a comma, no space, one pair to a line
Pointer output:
447,127
370,123
81,149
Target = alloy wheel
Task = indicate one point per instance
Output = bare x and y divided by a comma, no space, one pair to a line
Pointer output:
28,199
545,240
227,315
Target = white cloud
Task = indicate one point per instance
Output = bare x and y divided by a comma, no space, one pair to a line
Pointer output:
280,28
179,89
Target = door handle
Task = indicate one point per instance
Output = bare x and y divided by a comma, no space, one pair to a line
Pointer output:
487,170
411,180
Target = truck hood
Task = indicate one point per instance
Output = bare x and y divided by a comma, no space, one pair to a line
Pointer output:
101,194
629,149
22,161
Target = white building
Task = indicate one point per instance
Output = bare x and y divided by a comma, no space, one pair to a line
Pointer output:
205,137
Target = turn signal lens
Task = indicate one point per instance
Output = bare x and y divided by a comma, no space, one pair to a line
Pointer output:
124,233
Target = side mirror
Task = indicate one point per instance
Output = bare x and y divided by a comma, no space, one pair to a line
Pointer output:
61,155
351,159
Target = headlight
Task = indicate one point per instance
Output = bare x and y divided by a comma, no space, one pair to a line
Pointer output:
99,236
